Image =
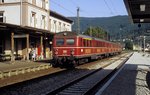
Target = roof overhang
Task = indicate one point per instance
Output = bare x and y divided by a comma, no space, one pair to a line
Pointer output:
59,16
138,10
26,29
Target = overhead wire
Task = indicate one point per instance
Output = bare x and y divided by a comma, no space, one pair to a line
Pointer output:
77,6
62,7
73,2
108,7
114,7
83,11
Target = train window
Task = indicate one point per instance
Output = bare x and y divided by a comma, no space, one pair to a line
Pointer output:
91,44
100,44
84,42
59,41
88,44
70,41
81,42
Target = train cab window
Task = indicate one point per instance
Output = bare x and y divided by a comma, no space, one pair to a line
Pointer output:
70,41
59,41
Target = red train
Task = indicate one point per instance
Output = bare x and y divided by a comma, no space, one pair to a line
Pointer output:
69,48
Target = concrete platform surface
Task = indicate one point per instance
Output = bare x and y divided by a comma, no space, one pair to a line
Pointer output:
133,79
8,69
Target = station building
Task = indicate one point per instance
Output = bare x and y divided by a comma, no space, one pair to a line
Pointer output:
26,25
59,23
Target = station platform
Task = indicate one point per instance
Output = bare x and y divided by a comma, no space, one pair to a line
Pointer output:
9,68
132,79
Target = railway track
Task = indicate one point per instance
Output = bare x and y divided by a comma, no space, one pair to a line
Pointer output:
56,83
85,84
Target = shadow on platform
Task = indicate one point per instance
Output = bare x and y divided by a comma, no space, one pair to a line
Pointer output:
126,81
123,84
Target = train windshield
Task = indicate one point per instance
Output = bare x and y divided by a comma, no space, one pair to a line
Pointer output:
59,41
70,41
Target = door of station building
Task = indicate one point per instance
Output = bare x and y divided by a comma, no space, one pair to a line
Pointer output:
1,44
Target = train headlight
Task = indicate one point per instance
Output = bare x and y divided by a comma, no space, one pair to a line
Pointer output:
81,50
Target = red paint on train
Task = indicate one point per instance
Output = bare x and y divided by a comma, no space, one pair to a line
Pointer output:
66,44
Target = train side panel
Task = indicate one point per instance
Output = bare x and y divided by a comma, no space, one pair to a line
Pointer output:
72,46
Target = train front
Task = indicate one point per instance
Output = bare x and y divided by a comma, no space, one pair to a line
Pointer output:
64,49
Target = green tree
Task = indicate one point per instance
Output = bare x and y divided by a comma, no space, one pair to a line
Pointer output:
128,45
96,32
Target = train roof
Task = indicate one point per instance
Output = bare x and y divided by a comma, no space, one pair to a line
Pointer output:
70,33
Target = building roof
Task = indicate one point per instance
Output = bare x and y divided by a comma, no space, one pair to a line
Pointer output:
138,10
57,15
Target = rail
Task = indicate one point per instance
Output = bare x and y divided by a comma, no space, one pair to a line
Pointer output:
80,86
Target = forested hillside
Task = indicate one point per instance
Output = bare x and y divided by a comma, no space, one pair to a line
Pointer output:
117,26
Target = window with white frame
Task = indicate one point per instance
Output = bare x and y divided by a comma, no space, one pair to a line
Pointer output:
68,27
43,21
33,19
1,1
43,4
1,16
64,27
59,27
54,26
34,2
50,24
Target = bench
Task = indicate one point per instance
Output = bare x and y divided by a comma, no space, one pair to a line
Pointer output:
18,56
5,57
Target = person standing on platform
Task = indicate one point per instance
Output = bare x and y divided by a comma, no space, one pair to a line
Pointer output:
34,55
30,55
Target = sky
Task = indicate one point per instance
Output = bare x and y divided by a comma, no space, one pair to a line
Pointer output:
89,8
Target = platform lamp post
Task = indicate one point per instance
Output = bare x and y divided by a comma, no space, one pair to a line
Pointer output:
144,44
121,29
139,26
78,21
120,34
143,41
138,43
